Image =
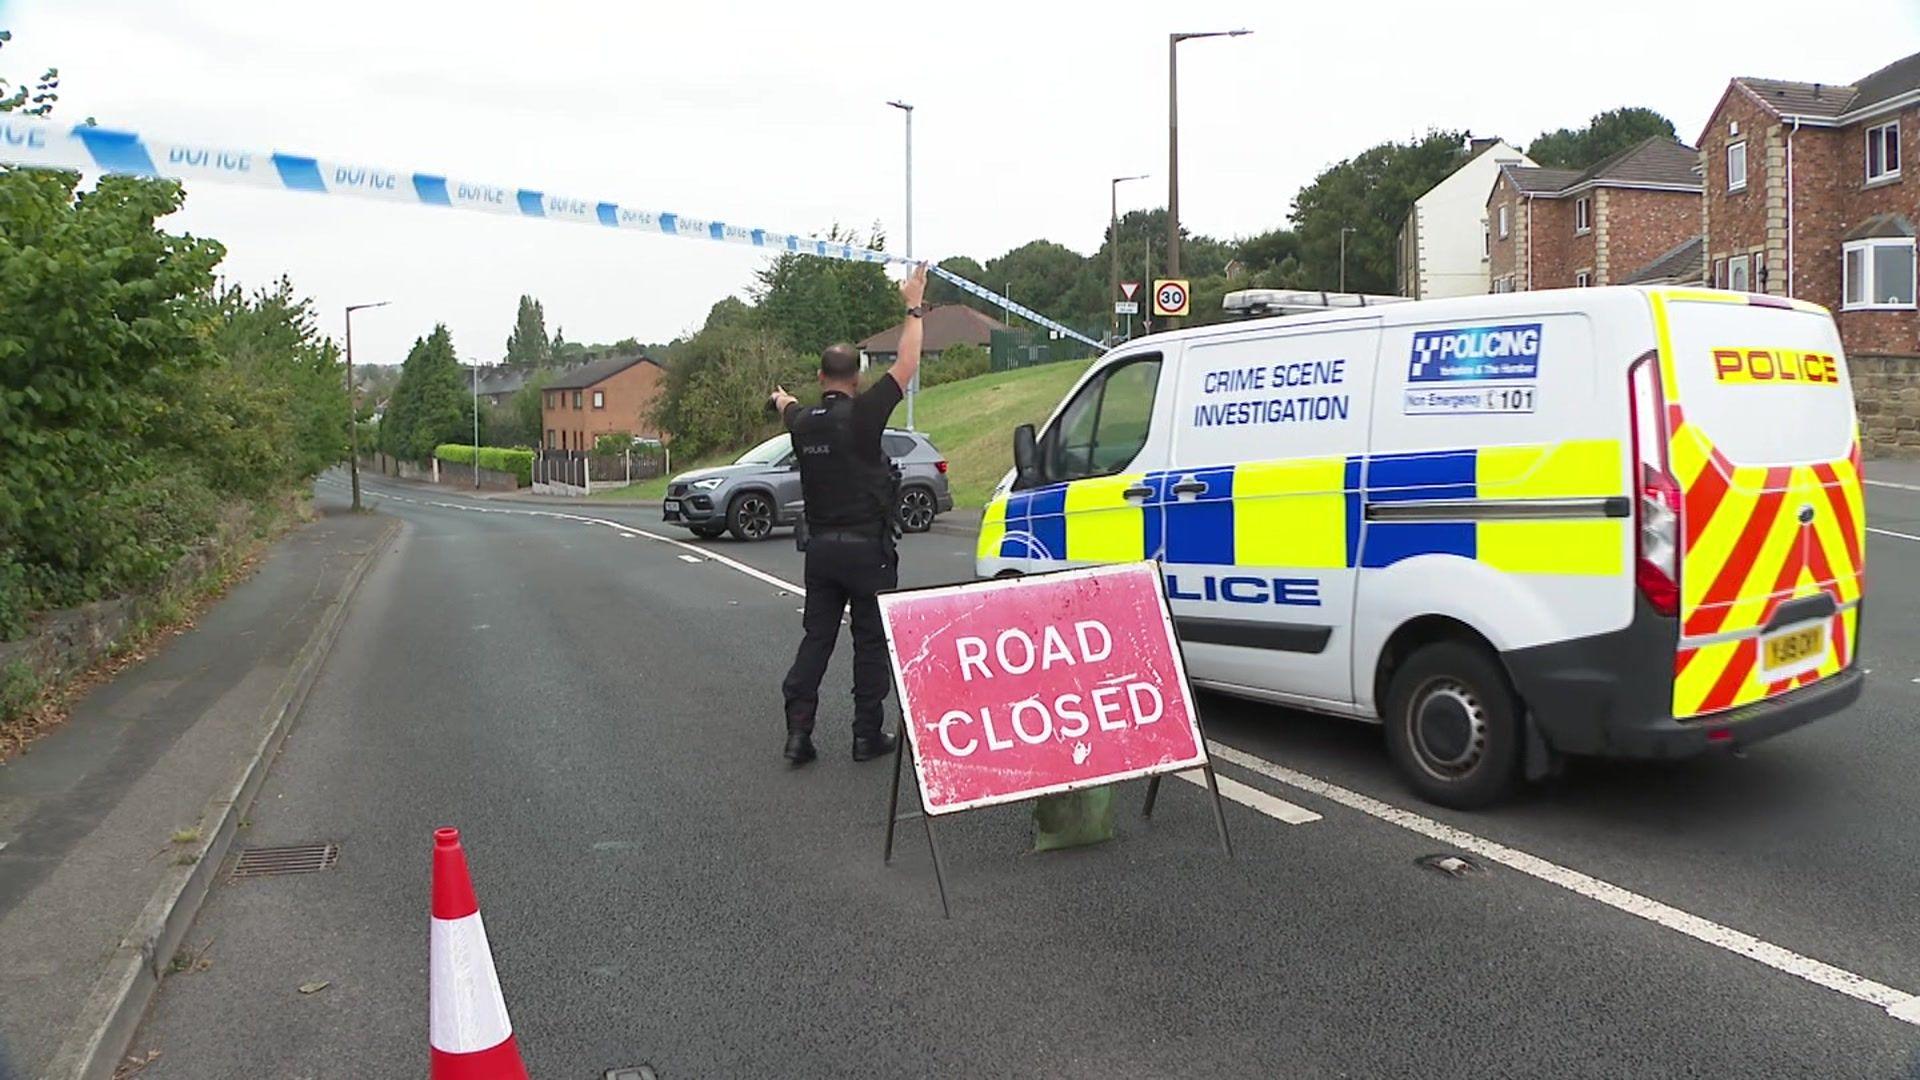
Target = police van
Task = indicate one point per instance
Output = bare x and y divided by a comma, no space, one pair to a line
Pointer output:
1609,521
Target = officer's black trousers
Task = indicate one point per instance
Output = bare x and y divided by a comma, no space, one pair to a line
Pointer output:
843,572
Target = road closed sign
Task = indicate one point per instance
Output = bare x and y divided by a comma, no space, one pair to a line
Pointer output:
1170,297
1032,686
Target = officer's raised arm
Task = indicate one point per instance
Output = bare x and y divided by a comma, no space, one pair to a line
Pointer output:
911,290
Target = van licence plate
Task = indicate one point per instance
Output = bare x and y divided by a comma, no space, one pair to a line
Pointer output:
1793,648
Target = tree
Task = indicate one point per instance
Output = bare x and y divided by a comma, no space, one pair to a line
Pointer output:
714,390
1606,134
1369,195
942,291
38,101
431,405
809,303
527,346
563,351
519,421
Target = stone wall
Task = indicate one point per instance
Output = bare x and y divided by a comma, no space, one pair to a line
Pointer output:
1887,392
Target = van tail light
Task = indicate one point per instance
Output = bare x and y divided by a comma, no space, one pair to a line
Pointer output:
1656,567
941,465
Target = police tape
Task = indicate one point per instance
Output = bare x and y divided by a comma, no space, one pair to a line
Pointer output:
33,143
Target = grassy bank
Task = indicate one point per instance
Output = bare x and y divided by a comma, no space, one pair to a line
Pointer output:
971,421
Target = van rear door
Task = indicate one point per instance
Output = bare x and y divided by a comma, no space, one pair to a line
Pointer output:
1764,449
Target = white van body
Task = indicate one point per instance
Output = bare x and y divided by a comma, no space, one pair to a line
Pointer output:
1640,507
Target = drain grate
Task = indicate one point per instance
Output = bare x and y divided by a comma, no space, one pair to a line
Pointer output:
287,859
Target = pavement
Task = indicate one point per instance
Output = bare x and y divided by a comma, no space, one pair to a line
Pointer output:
92,873
592,698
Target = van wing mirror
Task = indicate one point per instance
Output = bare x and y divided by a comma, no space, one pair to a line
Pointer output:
1026,457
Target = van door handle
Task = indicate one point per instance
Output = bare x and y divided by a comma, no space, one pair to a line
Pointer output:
1137,491
1190,487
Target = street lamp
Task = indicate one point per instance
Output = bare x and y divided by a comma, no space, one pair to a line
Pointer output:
908,109
1173,141
353,413
1113,243
476,425
1344,230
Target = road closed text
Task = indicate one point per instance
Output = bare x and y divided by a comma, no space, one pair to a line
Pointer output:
1114,703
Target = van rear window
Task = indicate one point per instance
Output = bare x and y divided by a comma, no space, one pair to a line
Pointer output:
1767,385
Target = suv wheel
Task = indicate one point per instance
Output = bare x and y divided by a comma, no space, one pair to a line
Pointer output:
1453,725
917,509
707,532
750,516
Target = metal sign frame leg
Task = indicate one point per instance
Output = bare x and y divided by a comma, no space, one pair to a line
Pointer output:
895,817
1213,789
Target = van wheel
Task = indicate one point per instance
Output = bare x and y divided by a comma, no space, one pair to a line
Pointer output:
1453,726
750,517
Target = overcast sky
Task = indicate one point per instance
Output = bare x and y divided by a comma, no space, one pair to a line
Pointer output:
774,114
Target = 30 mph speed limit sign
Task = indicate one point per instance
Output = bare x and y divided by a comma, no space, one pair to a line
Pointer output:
1170,297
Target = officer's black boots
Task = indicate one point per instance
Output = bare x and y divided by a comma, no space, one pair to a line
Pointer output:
868,747
800,747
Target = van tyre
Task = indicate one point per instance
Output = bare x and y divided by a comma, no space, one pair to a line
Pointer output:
1453,725
750,516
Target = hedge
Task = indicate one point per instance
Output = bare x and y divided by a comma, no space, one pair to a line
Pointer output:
499,459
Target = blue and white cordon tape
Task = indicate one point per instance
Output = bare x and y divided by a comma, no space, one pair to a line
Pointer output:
38,144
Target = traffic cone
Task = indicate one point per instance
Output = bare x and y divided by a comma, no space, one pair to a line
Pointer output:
469,1035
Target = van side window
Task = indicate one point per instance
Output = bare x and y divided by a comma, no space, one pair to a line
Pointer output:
1104,427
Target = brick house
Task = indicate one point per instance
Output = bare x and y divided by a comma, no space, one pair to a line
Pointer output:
946,325
615,395
1561,228
1806,196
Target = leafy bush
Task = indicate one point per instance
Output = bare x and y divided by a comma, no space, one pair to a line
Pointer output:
954,363
613,444
496,458
715,392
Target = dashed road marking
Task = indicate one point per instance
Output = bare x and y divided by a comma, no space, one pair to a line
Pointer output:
1899,1004
686,558
1254,799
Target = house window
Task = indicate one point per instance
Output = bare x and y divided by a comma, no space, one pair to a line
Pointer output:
1582,214
1883,152
1582,279
1486,242
599,399
1503,222
1878,273
549,399
576,399
551,443
1738,269
1719,273
1737,167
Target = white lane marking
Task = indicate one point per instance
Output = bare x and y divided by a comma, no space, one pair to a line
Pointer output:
1898,1003
1895,535
1891,484
686,558
1254,799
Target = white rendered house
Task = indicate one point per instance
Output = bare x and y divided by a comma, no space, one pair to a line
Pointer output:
1443,244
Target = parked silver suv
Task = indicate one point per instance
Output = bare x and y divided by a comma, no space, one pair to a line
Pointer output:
760,491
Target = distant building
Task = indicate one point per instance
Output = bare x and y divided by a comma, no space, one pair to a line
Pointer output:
498,383
1443,248
1561,228
946,325
1808,196
615,395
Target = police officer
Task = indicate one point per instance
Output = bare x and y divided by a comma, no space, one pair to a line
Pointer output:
849,488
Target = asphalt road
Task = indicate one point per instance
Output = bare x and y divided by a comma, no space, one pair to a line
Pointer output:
600,716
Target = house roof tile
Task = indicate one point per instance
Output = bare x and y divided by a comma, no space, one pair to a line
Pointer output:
1681,263
947,324
598,371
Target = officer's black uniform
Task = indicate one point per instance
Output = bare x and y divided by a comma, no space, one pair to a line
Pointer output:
848,485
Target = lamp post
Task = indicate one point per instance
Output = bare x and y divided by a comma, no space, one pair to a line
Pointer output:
908,109
1173,141
1113,245
476,425
1344,230
353,413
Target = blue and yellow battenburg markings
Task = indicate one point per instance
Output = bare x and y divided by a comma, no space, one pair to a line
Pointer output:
1307,513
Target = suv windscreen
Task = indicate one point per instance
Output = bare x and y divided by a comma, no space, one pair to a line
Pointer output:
771,452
